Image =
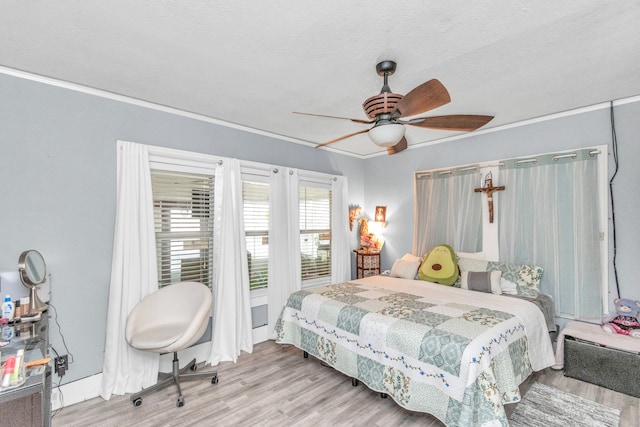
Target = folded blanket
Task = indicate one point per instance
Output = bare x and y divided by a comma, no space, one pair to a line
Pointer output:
545,304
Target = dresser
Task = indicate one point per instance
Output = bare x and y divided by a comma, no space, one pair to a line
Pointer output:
28,404
367,263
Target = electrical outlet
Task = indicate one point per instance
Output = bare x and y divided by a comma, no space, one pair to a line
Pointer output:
61,364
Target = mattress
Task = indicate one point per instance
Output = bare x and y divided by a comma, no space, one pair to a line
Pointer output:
457,354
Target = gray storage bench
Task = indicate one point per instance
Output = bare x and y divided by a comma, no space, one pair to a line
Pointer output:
592,355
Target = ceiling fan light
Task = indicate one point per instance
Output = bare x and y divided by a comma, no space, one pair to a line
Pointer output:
387,135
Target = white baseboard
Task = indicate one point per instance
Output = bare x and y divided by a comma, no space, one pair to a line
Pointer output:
261,334
75,392
88,388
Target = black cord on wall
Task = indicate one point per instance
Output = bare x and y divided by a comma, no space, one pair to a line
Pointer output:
55,318
614,150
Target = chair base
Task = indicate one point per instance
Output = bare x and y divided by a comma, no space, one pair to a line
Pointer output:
165,379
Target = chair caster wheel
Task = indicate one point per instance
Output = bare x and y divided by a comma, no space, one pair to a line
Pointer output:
214,380
180,402
137,402
194,368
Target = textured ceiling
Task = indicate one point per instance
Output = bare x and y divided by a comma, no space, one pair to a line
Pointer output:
254,63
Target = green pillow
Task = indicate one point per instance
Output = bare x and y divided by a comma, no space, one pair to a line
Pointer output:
440,265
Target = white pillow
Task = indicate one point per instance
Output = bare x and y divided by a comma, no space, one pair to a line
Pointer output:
405,269
482,281
411,258
472,255
471,264
508,287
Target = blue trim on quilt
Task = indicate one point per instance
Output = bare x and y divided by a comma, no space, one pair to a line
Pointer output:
486,349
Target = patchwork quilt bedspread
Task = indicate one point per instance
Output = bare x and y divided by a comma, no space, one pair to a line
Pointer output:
459,355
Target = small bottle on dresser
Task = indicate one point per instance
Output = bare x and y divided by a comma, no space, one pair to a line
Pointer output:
7,308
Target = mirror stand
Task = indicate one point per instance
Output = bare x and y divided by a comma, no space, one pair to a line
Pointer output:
35,304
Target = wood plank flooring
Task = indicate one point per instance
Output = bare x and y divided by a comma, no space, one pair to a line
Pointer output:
276,386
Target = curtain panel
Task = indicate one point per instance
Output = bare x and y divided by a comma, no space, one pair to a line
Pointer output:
550,217
447,210
133,273
284,242
340,252
231,332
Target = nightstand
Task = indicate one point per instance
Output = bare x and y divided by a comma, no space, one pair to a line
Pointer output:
367,264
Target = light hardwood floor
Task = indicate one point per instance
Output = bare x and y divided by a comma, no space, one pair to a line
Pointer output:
276,386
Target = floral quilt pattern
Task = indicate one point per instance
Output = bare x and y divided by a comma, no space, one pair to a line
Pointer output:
459,362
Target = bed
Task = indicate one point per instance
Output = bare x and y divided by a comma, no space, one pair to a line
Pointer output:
457,354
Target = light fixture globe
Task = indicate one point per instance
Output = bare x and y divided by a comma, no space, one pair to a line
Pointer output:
386,134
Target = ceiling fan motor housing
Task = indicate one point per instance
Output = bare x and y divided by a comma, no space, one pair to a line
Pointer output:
383,103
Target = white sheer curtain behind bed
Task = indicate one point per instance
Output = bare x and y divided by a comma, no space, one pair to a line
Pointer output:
133,273
447,211
555,223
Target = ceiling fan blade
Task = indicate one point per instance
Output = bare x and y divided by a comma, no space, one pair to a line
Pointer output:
400,146
366,122
426,97
459,122
341,138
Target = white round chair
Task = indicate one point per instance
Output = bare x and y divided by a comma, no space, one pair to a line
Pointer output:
168,320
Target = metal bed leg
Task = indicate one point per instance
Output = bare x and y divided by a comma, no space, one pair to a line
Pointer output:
305,354
384,395
354,382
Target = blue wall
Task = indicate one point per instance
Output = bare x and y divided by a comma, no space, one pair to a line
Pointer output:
58,184
58,191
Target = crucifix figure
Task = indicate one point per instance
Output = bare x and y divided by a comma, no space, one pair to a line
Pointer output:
488,188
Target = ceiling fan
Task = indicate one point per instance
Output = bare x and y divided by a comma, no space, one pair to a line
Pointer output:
388,111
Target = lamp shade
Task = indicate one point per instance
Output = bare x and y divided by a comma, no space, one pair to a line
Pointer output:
386,134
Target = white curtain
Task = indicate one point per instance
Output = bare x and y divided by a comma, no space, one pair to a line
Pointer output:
555,224
447,211
232,331
284,241
340,253
133,273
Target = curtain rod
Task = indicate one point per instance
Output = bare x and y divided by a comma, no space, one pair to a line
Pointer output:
429,173
558,157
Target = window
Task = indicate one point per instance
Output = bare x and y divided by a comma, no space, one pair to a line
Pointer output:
315,234
183,216
256,224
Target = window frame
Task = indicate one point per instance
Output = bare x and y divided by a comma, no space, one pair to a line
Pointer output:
182,162
253,177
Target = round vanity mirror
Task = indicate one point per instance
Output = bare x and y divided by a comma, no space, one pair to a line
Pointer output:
33,272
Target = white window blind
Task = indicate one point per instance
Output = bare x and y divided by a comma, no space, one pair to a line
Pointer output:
256,224
183,215
315,232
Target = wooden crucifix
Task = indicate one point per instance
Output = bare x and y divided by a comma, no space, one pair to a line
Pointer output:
489,189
